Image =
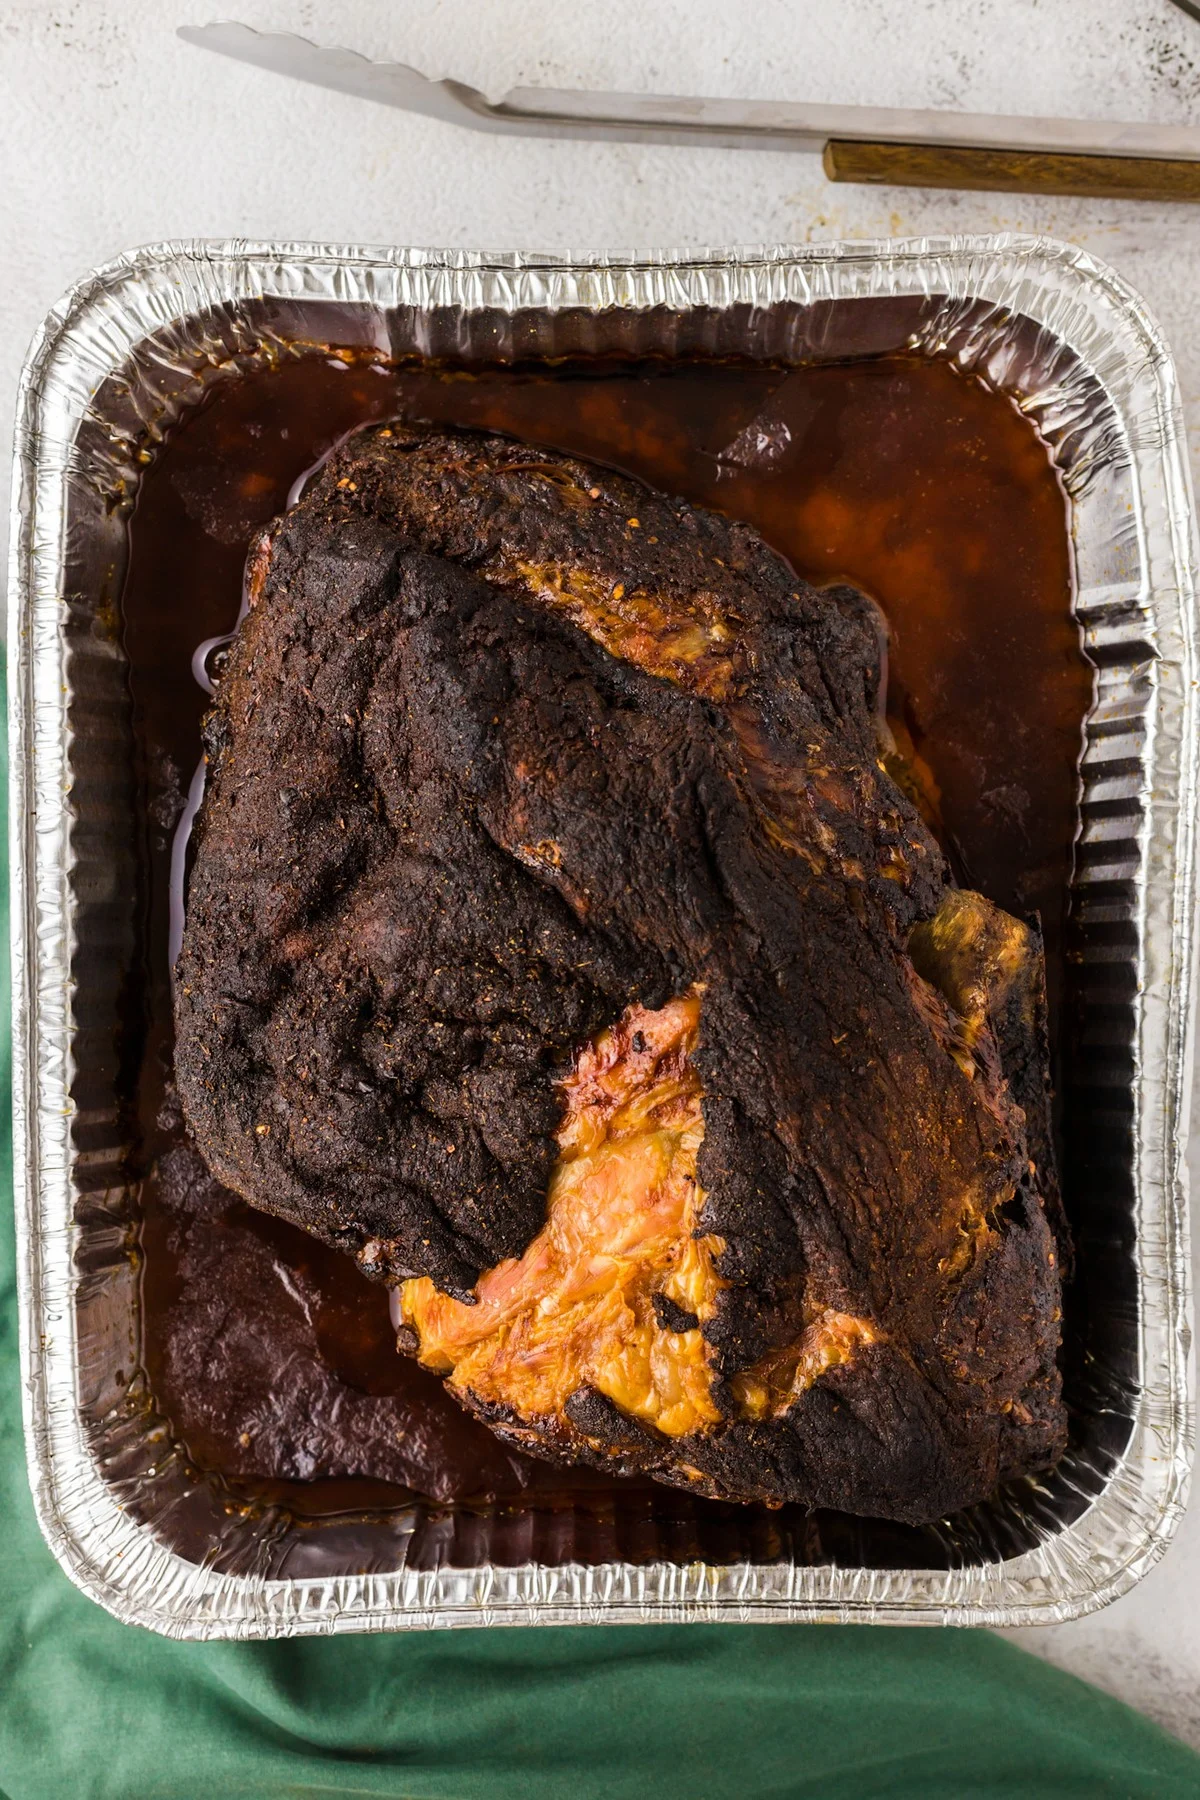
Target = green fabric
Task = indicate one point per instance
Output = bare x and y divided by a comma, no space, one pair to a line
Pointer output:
93,1710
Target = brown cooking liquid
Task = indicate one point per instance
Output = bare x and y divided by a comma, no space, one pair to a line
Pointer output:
273,1356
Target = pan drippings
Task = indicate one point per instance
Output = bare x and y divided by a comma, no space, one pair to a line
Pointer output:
273,1356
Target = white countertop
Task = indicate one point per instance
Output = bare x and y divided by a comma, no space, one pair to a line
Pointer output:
113,133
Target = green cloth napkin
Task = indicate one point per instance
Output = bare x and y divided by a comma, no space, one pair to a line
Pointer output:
93,1710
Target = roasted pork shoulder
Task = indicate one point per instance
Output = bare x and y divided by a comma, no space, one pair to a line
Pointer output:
560,945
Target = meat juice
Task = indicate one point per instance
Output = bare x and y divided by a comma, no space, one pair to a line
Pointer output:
271,1355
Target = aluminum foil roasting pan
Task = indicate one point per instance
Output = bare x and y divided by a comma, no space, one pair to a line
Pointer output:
133,1523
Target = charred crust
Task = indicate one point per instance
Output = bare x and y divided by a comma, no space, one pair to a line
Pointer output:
599,1419
673,1317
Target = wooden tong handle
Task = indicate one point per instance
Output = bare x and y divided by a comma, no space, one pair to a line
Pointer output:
1013,171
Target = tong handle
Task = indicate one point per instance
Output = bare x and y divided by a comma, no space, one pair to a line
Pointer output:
1013,171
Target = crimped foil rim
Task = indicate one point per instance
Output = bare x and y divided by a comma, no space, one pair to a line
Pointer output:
84,339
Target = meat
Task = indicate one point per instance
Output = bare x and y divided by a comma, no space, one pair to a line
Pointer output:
558,943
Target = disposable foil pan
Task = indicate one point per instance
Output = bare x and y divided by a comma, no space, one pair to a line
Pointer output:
132,1523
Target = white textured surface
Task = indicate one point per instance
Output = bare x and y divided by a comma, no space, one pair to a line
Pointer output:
113,133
